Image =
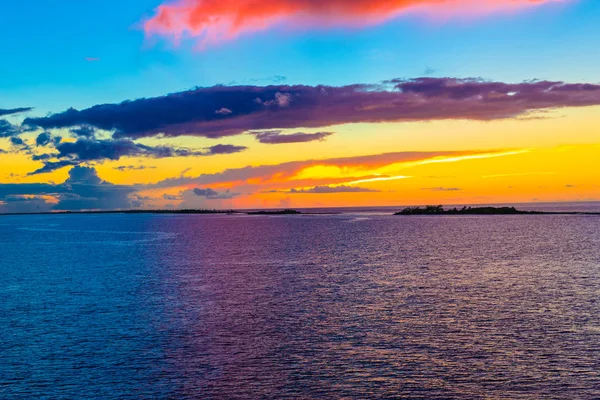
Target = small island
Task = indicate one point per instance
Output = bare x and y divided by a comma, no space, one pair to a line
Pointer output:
439,210
278,212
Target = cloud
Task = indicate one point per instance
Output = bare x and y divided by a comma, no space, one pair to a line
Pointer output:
214,195
17,141
83,190
24,204
92,59
442,189
276,137
333,189
87,191
288,171
258,108
281,100
84,131
224,111
224,149
8,130
50,166
270,79
11,111
92,150
217,21
43,139
86,150
123,168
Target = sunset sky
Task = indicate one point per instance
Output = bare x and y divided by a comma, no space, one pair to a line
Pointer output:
297,103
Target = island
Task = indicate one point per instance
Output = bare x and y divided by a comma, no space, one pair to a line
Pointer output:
277,212
439,210
148,211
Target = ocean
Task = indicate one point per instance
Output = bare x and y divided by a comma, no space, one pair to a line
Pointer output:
350,305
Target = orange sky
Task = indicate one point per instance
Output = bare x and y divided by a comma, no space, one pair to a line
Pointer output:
554,158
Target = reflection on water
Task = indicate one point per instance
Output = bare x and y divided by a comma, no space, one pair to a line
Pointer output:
300,307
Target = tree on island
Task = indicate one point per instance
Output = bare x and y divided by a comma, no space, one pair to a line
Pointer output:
439,210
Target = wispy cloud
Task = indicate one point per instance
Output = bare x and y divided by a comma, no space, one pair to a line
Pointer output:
215,21
224,111
124,168
351,171
11,111
379,179
442,189
277,137
517,174
327,190
479,156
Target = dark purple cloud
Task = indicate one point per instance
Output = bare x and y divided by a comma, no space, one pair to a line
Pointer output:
83,190
289,107
224,149
92,150
276,137
50,166
11,111
211,194
123,168
88,149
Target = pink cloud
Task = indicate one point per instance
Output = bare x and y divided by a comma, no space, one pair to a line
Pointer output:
216,21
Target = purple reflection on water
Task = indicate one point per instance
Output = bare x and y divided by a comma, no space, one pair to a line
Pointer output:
329,306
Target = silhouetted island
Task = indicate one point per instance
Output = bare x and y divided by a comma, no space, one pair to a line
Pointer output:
279,212
439,210
174,211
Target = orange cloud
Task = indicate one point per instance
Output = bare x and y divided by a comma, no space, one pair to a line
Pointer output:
215,21
332,171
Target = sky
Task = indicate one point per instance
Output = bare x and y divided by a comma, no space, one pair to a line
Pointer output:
297,103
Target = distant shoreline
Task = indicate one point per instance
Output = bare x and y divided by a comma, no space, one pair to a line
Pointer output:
408,211
184,212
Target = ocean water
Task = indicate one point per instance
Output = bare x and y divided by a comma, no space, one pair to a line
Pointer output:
362,306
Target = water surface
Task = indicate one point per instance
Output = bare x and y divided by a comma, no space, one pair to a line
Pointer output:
319,306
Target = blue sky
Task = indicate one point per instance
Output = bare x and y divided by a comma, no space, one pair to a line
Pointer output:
45,45
433,137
